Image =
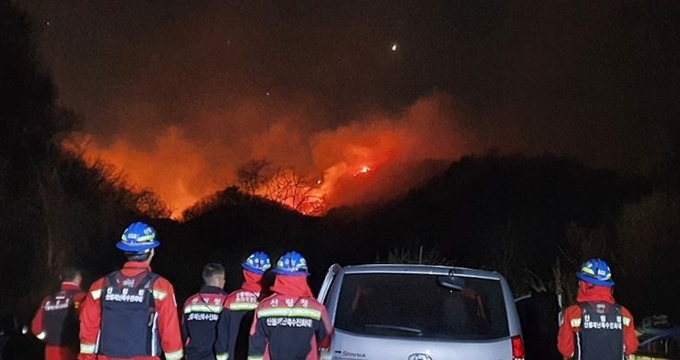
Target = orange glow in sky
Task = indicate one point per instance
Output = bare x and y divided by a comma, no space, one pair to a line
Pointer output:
185,164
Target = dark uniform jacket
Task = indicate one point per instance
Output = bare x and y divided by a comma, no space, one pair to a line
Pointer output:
56,322
239,310
202,313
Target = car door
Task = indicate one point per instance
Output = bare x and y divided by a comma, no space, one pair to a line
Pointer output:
328,283
539,315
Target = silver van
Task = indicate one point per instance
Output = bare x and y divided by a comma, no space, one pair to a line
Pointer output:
420,312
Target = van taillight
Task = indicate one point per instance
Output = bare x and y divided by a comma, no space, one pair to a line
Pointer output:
517,348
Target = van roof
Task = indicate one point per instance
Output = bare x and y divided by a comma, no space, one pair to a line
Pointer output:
420,269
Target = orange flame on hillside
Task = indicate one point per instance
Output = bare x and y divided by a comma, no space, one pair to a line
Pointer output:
364,170
184,164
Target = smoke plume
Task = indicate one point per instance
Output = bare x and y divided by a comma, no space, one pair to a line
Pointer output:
185,163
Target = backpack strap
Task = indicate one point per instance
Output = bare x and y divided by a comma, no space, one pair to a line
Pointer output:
111,279
147,281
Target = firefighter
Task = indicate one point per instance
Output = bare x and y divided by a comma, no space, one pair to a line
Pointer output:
56,321
201,314
131,313
240,307
290,324
596,328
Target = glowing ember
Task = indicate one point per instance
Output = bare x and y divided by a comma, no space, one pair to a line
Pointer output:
364,170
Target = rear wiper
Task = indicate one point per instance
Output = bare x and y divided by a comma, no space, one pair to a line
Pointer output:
395,327
452,282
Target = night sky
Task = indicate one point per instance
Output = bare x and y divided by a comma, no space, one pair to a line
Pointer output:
180,93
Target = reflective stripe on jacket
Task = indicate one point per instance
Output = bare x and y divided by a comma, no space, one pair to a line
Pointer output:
286,327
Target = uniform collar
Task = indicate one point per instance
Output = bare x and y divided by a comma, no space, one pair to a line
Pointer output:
288,285
251,281
136,265
208,289
589,292
67,285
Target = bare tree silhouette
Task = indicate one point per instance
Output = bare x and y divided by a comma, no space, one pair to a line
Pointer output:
296,192
251,175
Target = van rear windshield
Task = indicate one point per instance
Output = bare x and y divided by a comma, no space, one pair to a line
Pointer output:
421,306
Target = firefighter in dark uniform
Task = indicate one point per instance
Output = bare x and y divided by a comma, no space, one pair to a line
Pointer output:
290,324
56,321
131,313
201,314
596,328
240,307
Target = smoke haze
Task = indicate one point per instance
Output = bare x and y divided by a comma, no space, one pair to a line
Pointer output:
183,164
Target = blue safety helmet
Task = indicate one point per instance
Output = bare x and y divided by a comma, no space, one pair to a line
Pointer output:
596,271
258,262
138,237
291,263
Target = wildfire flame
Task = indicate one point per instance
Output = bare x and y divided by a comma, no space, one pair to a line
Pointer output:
185,163
364,170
